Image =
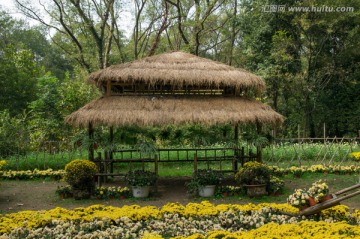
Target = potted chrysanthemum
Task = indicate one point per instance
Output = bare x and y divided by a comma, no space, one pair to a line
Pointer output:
319,190
79,174
299,199
255,177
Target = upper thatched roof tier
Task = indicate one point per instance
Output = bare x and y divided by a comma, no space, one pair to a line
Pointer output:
179,69
160,110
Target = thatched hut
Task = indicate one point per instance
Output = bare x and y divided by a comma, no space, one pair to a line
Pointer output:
175,88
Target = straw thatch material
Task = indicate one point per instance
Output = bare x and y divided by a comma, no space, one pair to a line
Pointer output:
179,69
160,110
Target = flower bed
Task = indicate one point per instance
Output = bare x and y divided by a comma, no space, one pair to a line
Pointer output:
35,174
57,174
194,220
112,192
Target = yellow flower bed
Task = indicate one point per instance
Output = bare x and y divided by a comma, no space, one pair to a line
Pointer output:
355,156
57,174
306,229
194,220
28,174
2,163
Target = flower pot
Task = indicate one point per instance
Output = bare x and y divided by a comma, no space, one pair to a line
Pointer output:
62,195
301,208
82,193
256,190
140,191
276,193
225,194
207,191
312,201
327,197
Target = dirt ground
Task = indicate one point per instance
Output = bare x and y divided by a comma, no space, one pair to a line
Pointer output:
40,195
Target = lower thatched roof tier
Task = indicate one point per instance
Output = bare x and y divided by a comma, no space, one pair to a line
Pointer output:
164,110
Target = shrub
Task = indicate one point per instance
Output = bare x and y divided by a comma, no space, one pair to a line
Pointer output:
208,177
80,173
141,178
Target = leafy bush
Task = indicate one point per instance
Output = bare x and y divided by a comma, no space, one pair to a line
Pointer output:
13,135
208,177
80,173
141,178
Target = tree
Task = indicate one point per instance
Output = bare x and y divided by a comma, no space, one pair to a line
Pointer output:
18,73
55,100
84,29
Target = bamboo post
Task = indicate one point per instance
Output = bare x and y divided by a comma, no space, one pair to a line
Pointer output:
236,132
235,161
108,88
327,204
91,145
242,156
195,164
111,150
105,165
259,147
156,171
99,166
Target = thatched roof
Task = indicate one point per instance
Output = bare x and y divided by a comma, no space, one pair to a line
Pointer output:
160,110
179,69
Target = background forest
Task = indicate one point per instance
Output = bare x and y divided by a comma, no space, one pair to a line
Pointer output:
310,62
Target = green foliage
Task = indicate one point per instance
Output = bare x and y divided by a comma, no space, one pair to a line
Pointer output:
18,73
55,100
287,152
141,178
208,177
80,173
13,135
